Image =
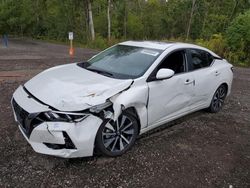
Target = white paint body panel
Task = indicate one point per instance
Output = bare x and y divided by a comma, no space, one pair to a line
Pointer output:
148,44
70,88
175,97
82,133
29,104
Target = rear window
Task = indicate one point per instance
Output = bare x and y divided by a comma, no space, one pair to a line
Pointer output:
200,59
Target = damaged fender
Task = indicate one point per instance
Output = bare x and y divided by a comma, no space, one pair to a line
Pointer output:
136,97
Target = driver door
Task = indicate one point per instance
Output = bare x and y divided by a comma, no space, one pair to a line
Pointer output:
170,97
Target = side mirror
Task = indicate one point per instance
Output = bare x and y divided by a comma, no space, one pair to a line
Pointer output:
164,74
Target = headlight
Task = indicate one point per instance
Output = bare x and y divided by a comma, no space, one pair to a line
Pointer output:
51,115
100,107
63,116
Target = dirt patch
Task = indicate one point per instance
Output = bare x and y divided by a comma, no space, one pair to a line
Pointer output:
199,150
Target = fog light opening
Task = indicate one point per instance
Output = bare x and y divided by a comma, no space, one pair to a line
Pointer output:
68,143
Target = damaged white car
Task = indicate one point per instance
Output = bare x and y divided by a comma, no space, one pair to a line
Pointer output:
105,103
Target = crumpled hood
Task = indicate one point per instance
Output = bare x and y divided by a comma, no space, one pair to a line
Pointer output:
72,88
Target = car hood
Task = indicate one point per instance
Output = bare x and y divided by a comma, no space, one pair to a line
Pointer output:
72,88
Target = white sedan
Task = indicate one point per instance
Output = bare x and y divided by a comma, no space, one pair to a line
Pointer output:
128,89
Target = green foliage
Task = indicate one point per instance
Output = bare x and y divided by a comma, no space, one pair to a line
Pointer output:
238,39
98,43
216,43
15,17
221,26
134,26
237,57
238,32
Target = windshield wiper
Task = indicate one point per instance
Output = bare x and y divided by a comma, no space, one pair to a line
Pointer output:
101,72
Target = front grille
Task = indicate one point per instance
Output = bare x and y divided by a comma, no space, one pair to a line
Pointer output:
22,117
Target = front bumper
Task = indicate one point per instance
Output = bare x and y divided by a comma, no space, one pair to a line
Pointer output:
62,139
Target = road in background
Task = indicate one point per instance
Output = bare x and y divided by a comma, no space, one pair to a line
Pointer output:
199,150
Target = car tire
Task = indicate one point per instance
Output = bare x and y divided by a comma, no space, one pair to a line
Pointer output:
218,99
115,138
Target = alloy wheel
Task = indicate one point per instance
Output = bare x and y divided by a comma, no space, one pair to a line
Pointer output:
219,98
117,136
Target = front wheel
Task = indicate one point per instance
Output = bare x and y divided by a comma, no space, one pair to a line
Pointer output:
115,138
218,99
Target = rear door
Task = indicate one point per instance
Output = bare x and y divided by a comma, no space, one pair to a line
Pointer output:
199,64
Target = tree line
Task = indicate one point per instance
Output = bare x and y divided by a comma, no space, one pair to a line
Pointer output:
221,25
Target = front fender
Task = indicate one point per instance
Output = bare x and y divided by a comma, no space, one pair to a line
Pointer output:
136,97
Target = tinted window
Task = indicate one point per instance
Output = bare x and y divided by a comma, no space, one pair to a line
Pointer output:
123,62
174,61
199,59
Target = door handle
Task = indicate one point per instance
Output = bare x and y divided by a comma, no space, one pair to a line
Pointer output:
217,73
188,81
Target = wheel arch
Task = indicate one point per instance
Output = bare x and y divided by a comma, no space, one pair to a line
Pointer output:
132,110
225,84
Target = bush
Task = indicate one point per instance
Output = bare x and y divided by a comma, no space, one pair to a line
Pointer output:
216,43
238,39
98,43
102,43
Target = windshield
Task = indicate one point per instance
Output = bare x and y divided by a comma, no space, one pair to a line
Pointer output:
123,62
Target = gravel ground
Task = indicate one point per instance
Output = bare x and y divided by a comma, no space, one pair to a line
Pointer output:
199,150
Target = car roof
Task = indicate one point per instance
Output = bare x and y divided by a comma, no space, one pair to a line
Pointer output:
164,45
148,44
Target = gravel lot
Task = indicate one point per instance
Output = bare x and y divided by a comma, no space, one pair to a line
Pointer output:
199,150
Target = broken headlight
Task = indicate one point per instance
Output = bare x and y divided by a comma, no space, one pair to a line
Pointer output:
64,116
98,108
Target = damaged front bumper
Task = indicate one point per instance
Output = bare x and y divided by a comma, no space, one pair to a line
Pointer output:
58,138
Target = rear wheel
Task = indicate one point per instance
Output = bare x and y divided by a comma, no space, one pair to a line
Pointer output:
115,138
218,99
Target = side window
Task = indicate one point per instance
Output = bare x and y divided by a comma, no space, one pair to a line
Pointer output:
174,61
199,59
210,58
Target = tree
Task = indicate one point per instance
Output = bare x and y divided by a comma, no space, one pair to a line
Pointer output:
125,20
190,19
238,37
90,20
109,20
121,19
